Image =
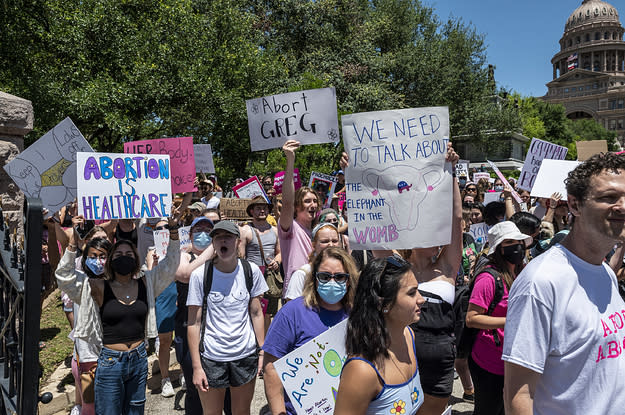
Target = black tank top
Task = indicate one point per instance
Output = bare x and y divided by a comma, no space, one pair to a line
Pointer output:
182,312
123,323
437,317
129,236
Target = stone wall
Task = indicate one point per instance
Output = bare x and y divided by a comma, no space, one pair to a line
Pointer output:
16,120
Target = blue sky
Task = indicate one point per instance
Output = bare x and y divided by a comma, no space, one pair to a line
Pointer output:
521,36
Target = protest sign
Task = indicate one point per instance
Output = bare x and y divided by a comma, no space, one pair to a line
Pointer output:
309,117
279,178
123,186
550,177
462,168
161,242
491,197
513,192
536,153
185,237
341,200
311,373
587,149
480,175
399,187
249,189
47,168
231,208
180,151
324,185
203,158
479,232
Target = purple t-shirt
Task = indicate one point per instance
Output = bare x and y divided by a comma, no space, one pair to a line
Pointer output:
294,325
295,245
485,352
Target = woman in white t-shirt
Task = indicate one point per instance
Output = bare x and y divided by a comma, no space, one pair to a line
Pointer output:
233,328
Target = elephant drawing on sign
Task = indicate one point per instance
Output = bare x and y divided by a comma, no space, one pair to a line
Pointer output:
403,189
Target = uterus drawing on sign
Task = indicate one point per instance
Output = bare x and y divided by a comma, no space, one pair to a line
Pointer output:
404,189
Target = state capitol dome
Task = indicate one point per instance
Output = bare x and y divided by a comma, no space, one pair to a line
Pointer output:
592,11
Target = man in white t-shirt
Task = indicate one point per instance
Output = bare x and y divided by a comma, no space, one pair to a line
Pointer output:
233,327
564,348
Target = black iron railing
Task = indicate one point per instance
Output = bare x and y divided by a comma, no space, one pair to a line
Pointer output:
20,293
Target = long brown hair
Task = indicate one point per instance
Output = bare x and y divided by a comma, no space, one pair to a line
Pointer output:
109,274
311,297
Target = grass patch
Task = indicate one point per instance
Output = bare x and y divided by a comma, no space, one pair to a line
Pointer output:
54,331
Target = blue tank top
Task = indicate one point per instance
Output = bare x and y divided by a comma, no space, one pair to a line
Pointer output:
401,399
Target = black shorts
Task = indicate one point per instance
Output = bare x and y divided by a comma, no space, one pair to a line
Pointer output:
235,373
435,356
272,305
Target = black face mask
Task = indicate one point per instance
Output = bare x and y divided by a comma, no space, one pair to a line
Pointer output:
514,254
123,265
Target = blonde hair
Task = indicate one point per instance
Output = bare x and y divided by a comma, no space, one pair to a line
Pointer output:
311,297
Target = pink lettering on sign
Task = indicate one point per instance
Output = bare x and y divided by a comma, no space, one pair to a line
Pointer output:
279,178
181,155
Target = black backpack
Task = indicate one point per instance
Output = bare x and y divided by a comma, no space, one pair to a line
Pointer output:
465,336
208,283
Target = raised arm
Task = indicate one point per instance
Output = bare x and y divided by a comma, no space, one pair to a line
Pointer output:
68,279
452,255
288,187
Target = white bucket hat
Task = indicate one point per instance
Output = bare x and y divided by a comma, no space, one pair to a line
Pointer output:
505,230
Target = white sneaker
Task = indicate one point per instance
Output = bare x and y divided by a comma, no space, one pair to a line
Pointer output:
76,410
183,384
167,390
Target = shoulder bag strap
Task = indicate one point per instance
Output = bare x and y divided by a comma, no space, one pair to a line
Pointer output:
208,282
260,245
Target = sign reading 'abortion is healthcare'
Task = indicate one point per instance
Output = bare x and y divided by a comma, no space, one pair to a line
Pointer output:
306,116
123,186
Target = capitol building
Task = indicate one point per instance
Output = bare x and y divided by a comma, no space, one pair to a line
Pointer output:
589,68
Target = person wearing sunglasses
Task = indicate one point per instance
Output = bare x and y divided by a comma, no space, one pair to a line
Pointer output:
326,301
381,375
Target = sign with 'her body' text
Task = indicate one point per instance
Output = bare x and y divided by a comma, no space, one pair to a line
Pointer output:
306,116
123,186
311,373
536,153
399,187
180,150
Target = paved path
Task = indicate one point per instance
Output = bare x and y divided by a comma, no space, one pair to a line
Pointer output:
156,404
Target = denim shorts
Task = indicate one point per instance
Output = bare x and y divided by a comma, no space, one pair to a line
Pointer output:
235,373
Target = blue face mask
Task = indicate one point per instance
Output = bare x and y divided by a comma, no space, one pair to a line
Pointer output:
201,240
499,188
95,265
332,292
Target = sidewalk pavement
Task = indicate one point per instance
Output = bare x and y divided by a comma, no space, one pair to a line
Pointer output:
63,394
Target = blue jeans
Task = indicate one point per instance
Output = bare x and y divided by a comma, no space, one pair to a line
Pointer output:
120,381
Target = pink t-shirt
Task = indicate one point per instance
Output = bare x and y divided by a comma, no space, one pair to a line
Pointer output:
485,352
295,246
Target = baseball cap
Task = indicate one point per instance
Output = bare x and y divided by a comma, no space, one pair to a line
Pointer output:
227,226
201,219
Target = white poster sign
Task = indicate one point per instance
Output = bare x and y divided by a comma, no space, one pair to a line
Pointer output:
161,240
47,168
249,189
550,177
479,231
480,175
184,234
399,187
311,373
324,185
536,153
491,197
309,117
203,158
462,168
123,186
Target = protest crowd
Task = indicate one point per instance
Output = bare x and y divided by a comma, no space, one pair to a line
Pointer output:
518,296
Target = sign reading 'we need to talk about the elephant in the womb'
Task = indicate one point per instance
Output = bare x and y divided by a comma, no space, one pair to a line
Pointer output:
399,187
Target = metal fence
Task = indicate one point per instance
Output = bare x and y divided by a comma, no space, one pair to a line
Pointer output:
20,293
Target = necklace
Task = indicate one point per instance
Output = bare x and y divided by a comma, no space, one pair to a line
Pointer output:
393,358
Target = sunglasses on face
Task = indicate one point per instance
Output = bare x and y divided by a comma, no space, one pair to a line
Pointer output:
161,228
324,277
471,189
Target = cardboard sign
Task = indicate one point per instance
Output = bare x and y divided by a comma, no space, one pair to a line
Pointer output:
249,189
399,187
231,208
536,153
309,117
180,151
279,178
551,177
47,168
324,185
514,193
123,186
161,240
184,234
462,168
587,149
479,231
311,373
480,175
203,158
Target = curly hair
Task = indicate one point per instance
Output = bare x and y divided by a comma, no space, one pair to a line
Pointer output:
578,180
309,292
378,285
